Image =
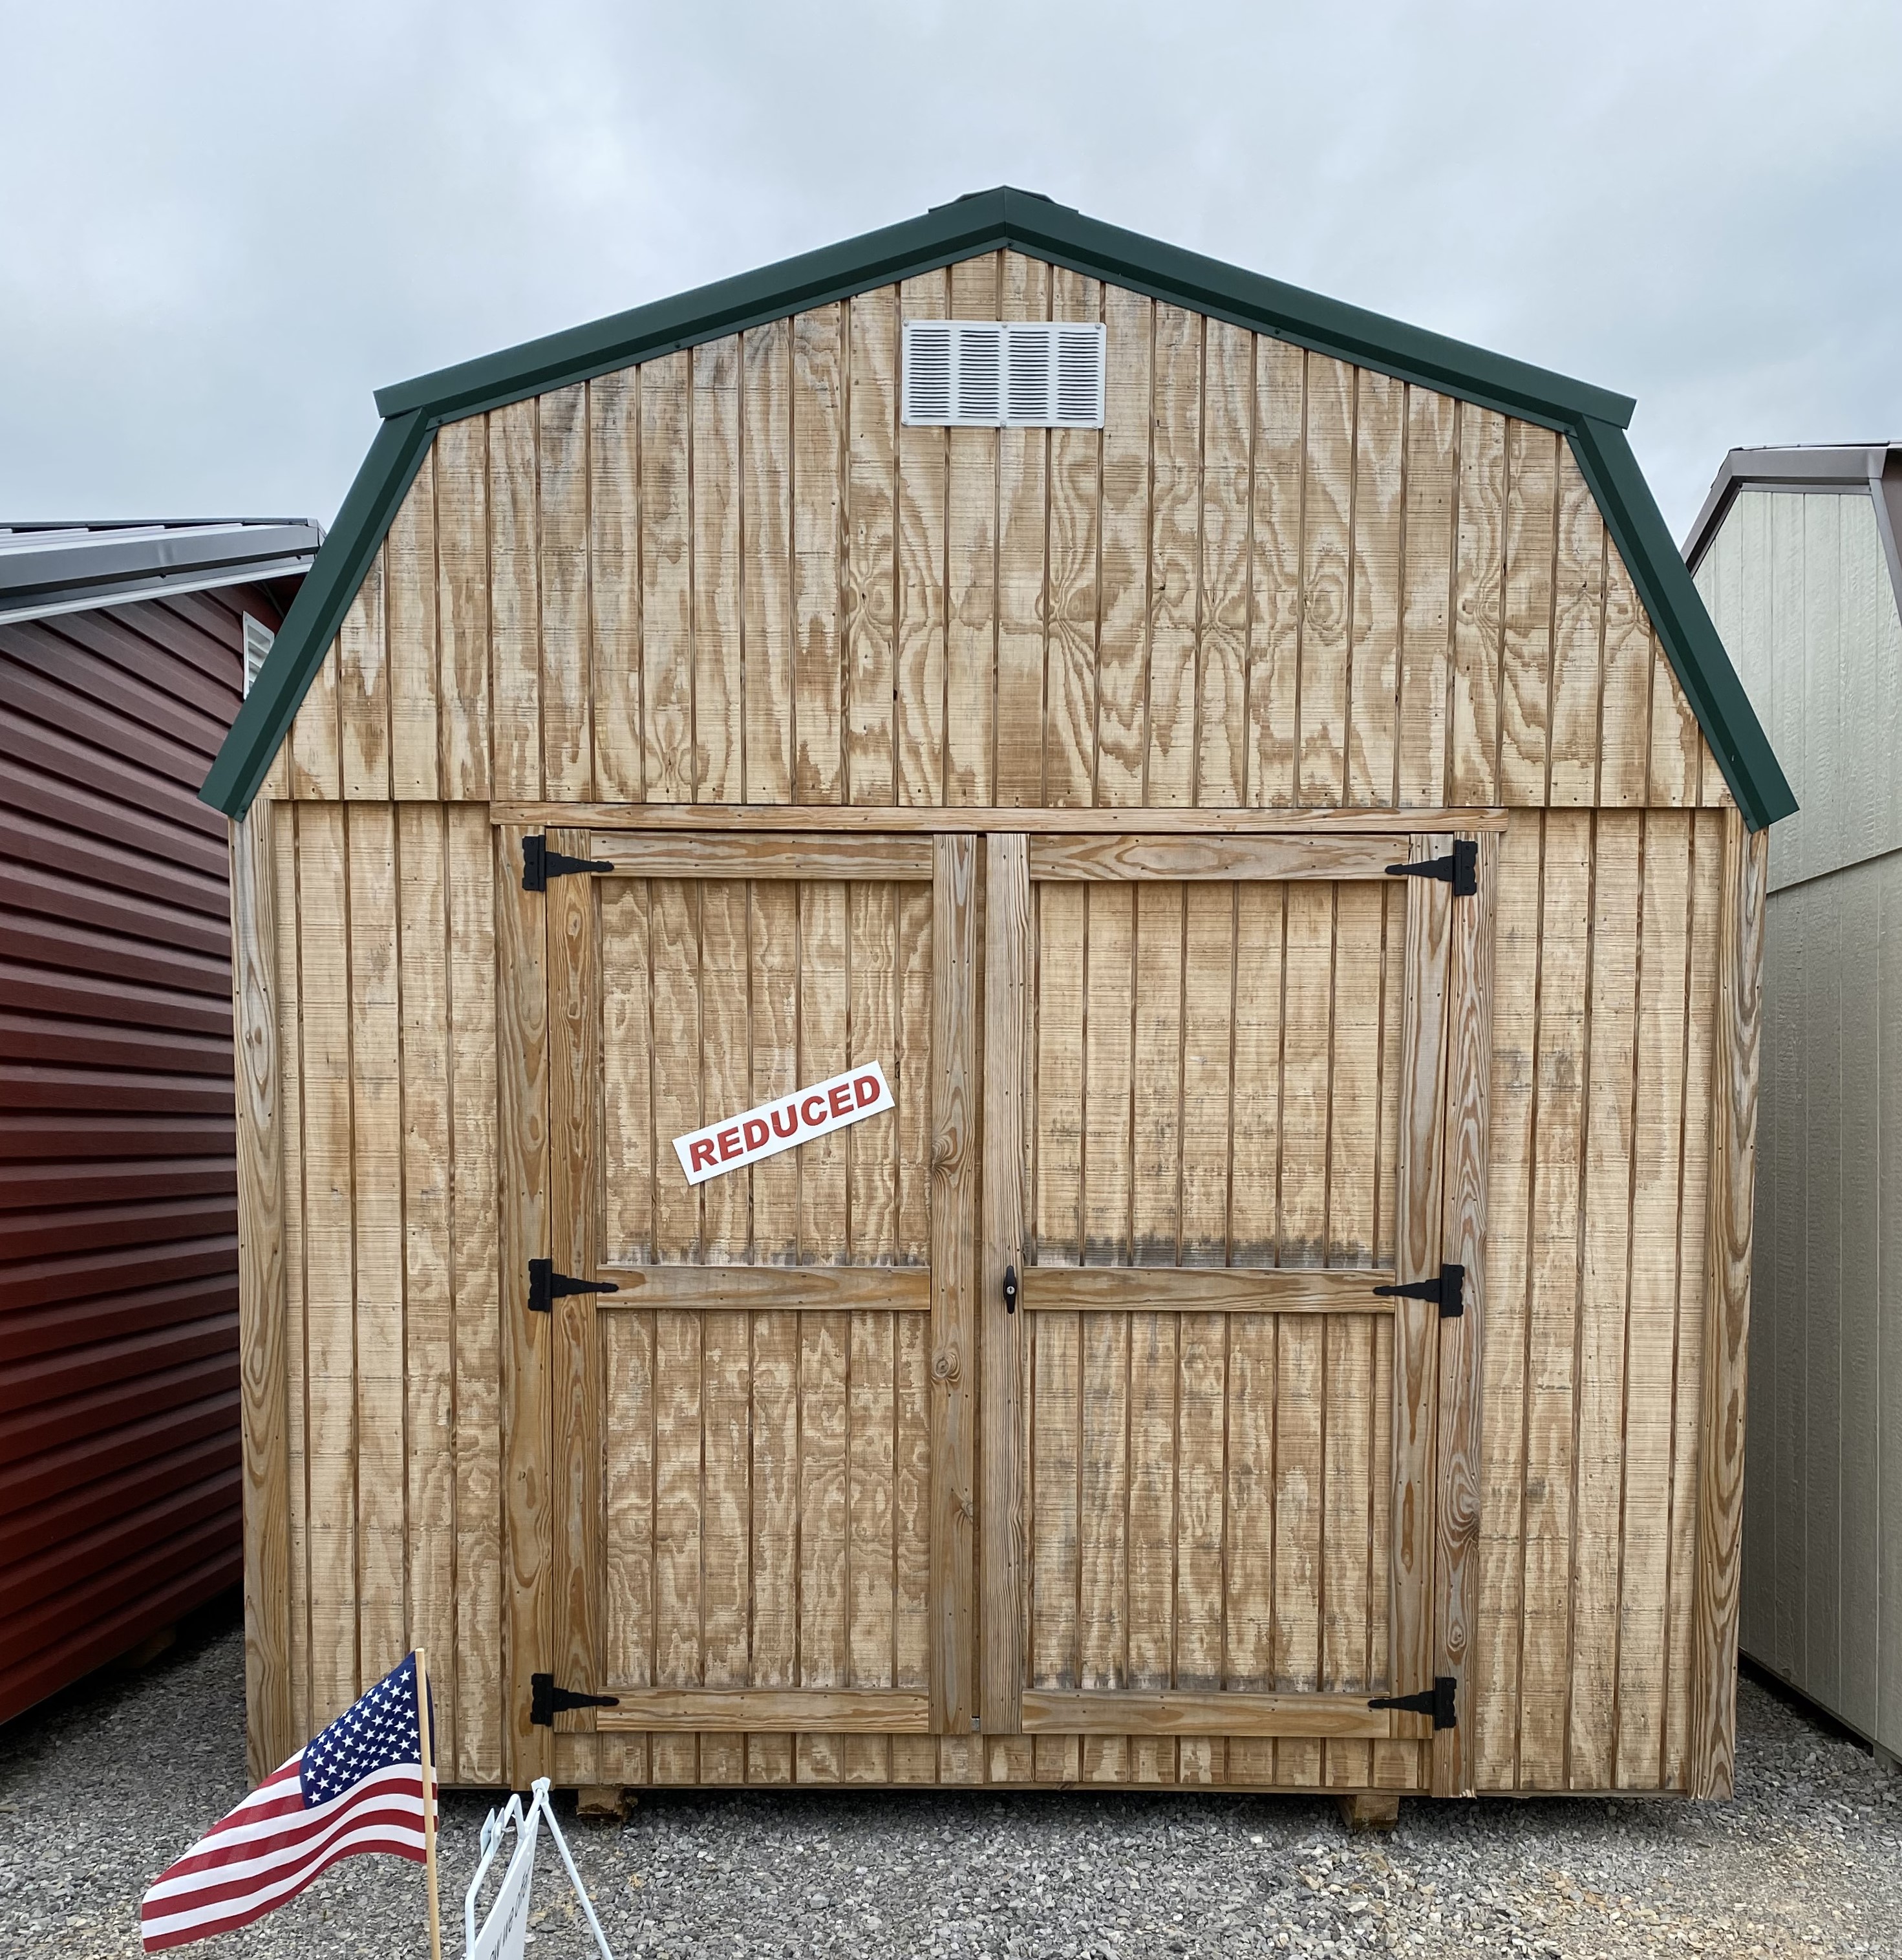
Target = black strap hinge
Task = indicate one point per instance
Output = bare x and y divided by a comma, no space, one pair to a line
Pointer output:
546,1286
1460,870
539,864
1448,1292
1009,1289
1440,1701
546,1700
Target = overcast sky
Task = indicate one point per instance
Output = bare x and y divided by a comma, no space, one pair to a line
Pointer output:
222,226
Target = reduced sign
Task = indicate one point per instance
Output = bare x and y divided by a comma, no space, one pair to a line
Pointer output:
776,1126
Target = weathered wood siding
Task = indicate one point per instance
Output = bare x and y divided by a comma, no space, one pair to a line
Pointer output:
1799,588
730,577
1272,580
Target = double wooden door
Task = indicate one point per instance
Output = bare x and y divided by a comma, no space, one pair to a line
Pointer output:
1059,1399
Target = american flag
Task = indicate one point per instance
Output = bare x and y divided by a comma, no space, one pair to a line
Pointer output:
359,1786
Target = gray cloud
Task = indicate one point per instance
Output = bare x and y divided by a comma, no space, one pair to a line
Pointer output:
223,226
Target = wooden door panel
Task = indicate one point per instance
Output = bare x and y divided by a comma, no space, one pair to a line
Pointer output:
767,1487
1216,1074
721,994
1214,1157
755,1421
1206,1499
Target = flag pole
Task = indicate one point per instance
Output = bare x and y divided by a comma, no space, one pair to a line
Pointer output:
429,1803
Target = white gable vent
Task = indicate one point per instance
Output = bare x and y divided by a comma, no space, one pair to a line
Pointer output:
258,639
995,373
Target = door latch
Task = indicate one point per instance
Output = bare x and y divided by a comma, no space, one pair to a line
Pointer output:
1009,1289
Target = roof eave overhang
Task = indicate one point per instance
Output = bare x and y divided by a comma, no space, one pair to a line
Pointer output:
1593,419
1848,469
30,574
92,599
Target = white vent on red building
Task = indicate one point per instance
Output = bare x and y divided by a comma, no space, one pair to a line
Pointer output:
258,639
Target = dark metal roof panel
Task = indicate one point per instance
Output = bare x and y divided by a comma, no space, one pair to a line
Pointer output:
44,565
1845,468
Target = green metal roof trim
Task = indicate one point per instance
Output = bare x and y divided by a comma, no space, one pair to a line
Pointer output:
257,730
1711,683
989,221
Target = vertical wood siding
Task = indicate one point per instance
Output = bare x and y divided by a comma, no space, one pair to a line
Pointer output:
1272,580
1602,1033
385,1008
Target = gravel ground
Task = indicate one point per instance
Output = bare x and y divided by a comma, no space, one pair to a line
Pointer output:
103,1787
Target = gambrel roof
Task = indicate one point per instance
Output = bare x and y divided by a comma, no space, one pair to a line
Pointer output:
1593,421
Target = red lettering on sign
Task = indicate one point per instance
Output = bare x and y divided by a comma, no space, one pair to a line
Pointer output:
729,1145
813,1109
841,1099
755,1132
866,1090
701,1150
791,1123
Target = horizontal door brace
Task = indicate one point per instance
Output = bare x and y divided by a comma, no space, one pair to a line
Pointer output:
1440,1701
1448,1291
539,864
546,1286
1460,870
546,1700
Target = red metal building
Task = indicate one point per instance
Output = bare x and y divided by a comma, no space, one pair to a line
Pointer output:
125,649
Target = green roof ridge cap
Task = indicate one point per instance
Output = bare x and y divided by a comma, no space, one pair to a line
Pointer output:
1593,419
994,220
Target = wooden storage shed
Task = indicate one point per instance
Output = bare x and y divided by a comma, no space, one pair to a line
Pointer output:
1795,555
122,654
1031,659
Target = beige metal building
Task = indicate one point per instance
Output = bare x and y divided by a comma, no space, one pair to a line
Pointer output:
1256,784
1794,553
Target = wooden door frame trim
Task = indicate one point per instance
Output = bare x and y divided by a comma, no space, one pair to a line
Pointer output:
835,1711
574,1416
1205,1290
1738,1008
1070,857
1419,1189
1007,1035
522,1157
898,820
727,1288
269,1719
801,855
1457,1471
953,1281
1184,1712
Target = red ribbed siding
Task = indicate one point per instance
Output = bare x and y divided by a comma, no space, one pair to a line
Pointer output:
119,1404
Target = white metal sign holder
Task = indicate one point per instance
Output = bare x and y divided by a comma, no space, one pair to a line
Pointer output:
505,1930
